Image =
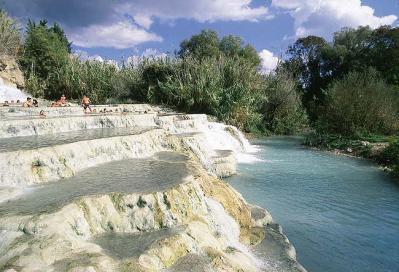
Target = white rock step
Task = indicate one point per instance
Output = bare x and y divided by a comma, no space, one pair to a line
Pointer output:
39,141
24,167
42,126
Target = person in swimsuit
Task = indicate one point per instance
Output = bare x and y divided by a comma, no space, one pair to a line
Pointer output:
86,103
63,102
27,103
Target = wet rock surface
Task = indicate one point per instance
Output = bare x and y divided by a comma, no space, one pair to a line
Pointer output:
147,201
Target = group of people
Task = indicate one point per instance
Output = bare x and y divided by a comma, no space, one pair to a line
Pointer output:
62,102
30,103
27,104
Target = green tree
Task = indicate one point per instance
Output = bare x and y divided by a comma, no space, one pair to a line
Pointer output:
384,53
205,44
56,28
208,45
45,51
233,46
360,103
306,64
281,107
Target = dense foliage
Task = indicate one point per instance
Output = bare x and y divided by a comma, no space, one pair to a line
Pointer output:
207,44
282,111
45,51
360,103
224,87
316,64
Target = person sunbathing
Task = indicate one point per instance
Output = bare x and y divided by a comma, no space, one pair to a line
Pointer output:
63,101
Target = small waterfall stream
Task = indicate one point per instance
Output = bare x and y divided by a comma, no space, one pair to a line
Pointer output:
228,228
8,93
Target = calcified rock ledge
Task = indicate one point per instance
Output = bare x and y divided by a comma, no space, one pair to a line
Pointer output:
186,222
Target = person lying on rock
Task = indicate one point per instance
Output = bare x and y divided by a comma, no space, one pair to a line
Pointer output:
63,101
28,103
86,103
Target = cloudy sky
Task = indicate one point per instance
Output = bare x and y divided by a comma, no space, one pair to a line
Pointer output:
118,29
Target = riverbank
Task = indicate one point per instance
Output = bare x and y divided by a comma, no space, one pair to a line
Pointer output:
382,150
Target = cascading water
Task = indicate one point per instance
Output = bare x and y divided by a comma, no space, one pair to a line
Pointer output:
8,93
228,228
221,137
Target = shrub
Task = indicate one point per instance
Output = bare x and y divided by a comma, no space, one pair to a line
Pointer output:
224,87
281,107
76,78
361,103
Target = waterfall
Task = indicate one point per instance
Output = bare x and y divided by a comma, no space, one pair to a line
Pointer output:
228,228
221,136
8,93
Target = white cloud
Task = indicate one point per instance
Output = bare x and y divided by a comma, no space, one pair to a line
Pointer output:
134,60
323,17
118,35
124,34
268,61
84,56
143,20
202,11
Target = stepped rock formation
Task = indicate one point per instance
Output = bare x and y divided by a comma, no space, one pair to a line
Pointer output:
138,191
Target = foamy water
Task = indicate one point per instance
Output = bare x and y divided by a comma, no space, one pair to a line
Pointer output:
229,229
8,93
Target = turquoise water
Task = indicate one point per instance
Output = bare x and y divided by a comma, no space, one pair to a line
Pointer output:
340,213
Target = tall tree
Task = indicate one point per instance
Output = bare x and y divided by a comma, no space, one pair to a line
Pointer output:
306,64
205,44
45,50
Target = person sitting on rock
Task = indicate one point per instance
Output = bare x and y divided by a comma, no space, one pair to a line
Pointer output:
28,103
35,103
86,103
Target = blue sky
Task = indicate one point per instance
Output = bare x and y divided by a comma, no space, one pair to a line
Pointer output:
116,29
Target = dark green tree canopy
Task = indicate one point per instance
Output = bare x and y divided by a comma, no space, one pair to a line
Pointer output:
316,63
208,44
205,44
45,50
